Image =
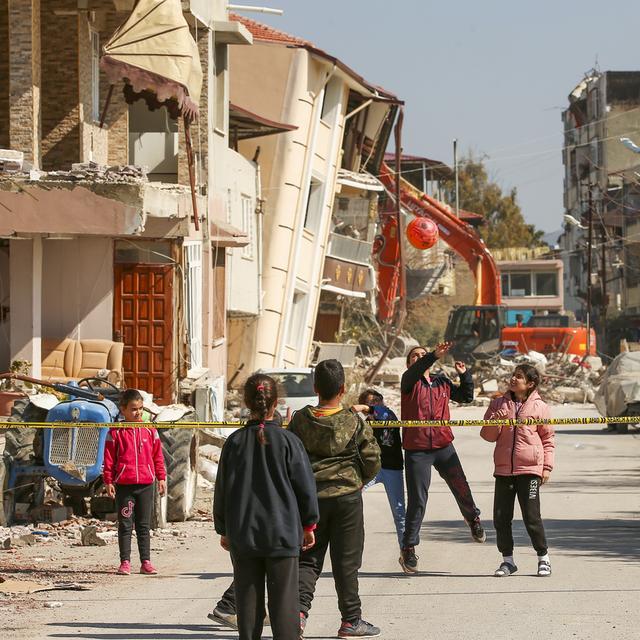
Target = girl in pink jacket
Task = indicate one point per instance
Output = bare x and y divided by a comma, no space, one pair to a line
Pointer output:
133,461
523,460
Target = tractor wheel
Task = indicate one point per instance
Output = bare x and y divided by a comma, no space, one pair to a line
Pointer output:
159,513
181,459
6,497
24,444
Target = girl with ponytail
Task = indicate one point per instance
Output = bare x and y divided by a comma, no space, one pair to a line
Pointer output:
265,509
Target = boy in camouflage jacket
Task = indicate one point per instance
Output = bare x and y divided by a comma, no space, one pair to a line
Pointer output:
344,456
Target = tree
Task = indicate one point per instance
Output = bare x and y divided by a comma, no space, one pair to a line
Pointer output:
504,225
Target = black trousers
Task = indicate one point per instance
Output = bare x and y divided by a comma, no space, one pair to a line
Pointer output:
418,478
228,601
135,504
527,488
282,590
341,529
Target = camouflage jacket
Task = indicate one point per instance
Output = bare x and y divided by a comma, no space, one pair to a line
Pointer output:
343,451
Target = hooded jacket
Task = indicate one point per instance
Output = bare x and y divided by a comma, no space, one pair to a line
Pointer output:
422,400
133,455
343,451
525,449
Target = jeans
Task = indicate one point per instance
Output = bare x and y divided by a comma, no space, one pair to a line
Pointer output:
341,528
418,474
393,481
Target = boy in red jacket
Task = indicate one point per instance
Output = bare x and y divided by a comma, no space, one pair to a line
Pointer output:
132,461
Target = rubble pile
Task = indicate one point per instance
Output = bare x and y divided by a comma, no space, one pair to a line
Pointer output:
84,172
565,378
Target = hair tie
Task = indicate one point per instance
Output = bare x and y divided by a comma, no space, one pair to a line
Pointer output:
261,425
260,387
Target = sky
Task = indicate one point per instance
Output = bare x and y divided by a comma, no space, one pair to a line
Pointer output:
494,74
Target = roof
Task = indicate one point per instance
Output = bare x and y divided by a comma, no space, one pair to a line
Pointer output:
245,125
264,33
441,167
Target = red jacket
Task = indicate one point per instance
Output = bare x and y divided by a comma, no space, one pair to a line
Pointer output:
422,400
133,455
525,449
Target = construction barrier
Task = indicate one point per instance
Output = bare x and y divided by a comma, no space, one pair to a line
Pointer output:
376,424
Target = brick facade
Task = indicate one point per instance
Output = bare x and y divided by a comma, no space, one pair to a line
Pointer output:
60,82
4,74
199,127
24,78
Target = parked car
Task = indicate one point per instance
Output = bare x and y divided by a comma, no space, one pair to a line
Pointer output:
295,389
619,391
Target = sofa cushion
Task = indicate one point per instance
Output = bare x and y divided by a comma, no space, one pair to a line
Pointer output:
57,357
95,355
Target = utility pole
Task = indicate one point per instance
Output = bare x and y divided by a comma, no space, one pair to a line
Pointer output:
455,171
589,246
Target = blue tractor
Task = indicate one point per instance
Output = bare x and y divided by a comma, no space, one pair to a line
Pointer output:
73,456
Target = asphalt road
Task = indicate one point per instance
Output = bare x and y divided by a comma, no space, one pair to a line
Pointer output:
591,512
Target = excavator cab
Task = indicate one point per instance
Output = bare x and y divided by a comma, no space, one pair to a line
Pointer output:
475,331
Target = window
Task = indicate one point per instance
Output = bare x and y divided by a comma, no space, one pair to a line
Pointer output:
330,99
546,284
313,215
220,68
193,301
505,284
298,315
95,76
247,225
520,284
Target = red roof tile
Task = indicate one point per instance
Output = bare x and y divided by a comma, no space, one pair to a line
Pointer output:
265,33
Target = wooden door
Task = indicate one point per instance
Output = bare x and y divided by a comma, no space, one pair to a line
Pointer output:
143,315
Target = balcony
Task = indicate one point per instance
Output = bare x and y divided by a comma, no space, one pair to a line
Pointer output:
350,249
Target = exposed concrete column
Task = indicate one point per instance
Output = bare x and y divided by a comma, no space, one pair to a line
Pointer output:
25,269
24,78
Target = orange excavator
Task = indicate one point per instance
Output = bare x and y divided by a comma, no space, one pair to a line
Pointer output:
477,330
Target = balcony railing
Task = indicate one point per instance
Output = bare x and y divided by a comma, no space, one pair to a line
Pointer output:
349,249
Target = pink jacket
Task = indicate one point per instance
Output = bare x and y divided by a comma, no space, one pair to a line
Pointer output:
524,449
133,455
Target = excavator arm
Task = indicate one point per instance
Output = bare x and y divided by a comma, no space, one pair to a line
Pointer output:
459,235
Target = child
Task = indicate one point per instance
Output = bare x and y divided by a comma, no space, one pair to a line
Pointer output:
265,508
133,460
390,443
523,461
426,397
345,456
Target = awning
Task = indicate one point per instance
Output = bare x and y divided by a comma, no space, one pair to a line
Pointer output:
363,181
224,234
155,55
244,125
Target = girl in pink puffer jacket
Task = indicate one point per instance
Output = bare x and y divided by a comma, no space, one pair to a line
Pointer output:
523,460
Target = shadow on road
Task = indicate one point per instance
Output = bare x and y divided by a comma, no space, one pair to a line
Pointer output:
613,538
141,631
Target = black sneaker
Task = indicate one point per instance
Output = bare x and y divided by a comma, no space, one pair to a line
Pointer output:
359,629
303,623
477,531
409,560
224,617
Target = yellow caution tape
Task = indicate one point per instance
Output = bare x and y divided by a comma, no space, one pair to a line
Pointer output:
376,424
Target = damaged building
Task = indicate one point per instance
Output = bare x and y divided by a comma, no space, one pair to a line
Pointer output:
115,248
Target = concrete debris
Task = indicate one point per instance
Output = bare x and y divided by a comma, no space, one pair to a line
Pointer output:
80,172
52,605
565,378
25,540
90,538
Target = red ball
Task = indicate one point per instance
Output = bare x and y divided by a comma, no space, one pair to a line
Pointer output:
422,233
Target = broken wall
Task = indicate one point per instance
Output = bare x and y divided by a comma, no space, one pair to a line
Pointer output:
4,74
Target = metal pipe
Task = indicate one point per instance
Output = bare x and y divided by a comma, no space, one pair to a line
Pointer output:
364,105
243,7
589,246
455,169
